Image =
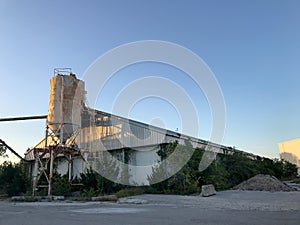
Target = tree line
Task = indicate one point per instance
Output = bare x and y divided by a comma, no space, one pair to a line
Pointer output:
226,171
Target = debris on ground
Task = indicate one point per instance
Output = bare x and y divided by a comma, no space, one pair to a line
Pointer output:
132,201
37,198
263,182
292,184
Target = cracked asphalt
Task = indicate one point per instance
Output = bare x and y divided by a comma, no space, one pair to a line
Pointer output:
227,207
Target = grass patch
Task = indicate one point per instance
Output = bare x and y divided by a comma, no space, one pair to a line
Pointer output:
129,192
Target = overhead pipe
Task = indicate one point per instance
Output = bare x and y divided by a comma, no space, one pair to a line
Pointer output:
23,118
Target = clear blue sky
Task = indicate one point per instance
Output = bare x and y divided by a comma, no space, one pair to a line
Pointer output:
253,48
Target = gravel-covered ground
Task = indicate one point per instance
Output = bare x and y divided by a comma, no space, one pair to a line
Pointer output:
227,207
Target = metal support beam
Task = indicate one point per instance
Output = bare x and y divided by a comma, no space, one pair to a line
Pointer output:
2,143
46,155
51,172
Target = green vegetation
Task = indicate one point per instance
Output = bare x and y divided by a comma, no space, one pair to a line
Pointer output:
226,171
95,185
129,192
60,185
14,178
3,151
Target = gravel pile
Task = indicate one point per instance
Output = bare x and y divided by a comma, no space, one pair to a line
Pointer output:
262,182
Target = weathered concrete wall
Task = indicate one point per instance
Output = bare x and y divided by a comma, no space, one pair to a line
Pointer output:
77,166
140,163
290,151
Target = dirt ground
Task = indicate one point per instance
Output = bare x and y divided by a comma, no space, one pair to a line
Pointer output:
227,207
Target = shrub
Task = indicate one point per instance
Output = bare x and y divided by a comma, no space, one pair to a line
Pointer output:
14,179
129,192
60,185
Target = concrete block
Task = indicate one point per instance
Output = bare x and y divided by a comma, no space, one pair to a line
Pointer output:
208,190
58,198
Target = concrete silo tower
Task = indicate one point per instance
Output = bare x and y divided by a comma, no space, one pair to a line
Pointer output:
65,105
67,96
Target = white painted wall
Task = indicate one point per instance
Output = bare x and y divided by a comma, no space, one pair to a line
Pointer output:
141,164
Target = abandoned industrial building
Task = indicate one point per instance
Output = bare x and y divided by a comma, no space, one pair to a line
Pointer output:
78,136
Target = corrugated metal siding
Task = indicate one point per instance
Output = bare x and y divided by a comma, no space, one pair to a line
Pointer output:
115,132
102,131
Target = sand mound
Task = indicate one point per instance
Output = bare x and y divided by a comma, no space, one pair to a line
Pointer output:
262,182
